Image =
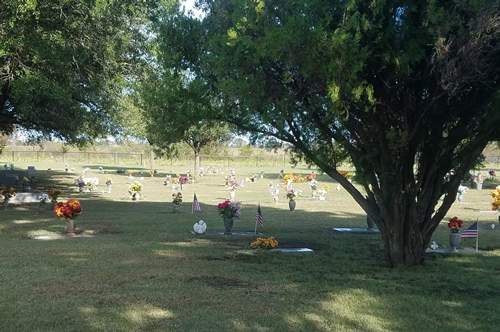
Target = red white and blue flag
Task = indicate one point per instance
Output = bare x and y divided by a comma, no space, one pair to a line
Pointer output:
471,231
196,204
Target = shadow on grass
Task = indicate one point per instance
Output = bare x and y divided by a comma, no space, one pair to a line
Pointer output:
151,274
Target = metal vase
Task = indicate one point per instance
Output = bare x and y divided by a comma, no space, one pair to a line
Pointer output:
228,225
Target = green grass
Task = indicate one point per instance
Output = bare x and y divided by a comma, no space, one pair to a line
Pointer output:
142,270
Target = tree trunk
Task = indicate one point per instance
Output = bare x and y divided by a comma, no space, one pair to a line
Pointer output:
404,247
370,223
151,162
196,163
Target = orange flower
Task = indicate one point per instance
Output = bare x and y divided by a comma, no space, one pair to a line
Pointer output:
74,205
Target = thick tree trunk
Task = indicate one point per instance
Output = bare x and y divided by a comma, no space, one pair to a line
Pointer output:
404,247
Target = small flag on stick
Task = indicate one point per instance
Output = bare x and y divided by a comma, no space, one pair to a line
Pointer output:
196,204
472,232
259,219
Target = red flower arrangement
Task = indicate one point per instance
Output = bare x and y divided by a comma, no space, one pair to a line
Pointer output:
455,224
69,210
229,209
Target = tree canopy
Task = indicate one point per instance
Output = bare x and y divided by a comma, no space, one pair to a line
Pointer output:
409,90
64,62
174,110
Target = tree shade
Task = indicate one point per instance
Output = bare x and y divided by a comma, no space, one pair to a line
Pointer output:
409,90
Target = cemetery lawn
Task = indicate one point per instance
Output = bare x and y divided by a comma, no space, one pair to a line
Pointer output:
138,267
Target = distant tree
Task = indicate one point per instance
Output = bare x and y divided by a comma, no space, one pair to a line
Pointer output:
175,104
246,150
409,90
63,62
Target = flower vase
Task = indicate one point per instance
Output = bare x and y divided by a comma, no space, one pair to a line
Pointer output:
455,239
292,204
228,225
70,227
176,208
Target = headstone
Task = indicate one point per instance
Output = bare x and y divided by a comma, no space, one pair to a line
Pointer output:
25,198
292,250
356,230
31,170
93,181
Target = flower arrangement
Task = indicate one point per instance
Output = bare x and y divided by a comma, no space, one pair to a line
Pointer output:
291,195
7,194
455,224
81,184
109,182
495,194
177,199
183,179
90,186
294,178
264,243
134,190
228,209
68,210
311,176
53,195
135,187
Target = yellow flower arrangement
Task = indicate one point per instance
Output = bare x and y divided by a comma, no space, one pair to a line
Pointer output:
294,178
265,243
495,194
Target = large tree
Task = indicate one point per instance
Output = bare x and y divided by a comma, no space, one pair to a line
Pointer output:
409,90
63,62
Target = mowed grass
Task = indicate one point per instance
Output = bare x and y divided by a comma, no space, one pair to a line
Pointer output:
142,270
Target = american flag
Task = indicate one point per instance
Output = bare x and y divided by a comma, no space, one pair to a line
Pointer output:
196,204
259,219
471,232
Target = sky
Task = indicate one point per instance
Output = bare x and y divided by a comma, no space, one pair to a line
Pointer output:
189,5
